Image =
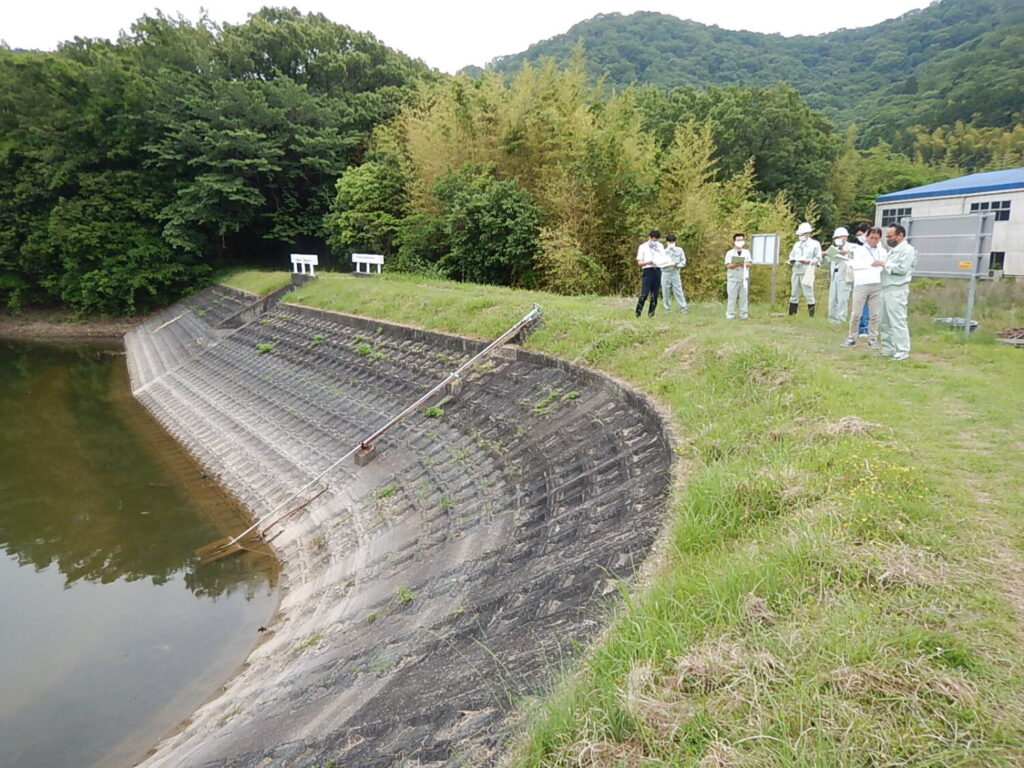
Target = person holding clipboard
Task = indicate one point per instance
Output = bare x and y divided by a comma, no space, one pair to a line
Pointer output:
737,275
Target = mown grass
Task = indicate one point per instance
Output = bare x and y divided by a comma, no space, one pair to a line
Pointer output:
841,577
259,282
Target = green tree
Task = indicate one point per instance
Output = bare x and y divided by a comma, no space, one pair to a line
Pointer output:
490,228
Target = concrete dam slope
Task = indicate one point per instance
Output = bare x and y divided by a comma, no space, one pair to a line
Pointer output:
425,593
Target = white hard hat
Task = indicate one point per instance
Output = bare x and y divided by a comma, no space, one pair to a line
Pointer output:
804,229
840,232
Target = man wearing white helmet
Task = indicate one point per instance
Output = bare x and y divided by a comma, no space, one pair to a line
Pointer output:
804,257
839,255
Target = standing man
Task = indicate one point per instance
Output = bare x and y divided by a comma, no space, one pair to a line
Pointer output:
737,276
839,254
671,284
805,255
650,281
897,270
860,235
867,287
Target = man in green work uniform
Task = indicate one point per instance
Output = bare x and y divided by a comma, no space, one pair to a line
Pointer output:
804,257
897,270
737,280
839,254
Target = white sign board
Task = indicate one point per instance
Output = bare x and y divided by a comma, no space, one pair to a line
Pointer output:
369,261
764,249
303,263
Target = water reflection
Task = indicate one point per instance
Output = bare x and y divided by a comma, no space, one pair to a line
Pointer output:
86,484
112,632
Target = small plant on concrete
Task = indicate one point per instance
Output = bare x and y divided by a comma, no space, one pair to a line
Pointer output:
445,502
265,347
434,412
574,395
317,340
404,596
309,641
547,403
387,491
230,713
364,349
373,617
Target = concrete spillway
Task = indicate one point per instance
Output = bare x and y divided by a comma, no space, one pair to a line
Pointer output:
424,593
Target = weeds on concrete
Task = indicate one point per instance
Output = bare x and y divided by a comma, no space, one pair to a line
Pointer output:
843,556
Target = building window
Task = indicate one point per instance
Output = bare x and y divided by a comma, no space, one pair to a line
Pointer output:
1001,208
892,216
995,260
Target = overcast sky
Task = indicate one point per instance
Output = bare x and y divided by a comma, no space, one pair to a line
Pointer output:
446,34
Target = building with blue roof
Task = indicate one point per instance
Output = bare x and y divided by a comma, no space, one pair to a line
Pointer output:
1001,192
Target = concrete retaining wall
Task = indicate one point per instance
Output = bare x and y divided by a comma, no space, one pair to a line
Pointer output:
426,592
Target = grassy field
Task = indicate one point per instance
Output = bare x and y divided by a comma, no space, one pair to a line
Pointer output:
841,576
257,281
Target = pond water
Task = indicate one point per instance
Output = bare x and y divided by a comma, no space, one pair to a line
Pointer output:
110,633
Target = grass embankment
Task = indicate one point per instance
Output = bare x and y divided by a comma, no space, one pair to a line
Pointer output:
259,282
842,577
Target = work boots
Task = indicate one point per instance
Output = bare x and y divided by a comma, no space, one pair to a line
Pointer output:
810,309
793,307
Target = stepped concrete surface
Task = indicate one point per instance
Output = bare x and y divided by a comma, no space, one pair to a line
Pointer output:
425,593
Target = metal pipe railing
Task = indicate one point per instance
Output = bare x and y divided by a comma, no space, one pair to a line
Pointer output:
530,317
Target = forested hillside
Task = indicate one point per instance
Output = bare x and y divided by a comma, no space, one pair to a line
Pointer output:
128,169
956,60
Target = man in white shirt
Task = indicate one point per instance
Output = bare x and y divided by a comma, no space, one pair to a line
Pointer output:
867,286
650,283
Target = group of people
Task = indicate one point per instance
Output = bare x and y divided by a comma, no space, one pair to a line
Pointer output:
875,276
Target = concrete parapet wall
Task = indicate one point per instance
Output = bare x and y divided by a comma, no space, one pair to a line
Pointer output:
424,593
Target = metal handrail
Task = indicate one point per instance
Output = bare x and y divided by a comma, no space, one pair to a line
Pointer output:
528,318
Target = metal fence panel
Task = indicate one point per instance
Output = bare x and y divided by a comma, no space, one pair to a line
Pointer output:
950,246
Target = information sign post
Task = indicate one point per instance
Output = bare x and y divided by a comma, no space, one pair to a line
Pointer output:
764,249
956,247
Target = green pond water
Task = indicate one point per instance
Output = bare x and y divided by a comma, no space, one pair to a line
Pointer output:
110,633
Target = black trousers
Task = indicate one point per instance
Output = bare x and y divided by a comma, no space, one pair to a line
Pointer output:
650,286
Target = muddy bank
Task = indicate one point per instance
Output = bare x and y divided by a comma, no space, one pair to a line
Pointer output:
59,325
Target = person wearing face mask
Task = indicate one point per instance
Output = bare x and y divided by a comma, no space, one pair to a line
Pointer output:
804,257
839,254
860,235
867,287
671,285
897,271
737,276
